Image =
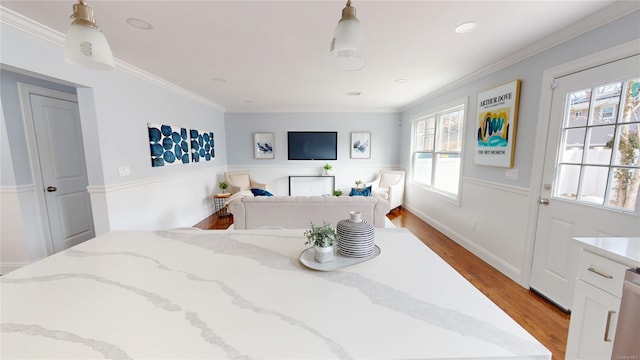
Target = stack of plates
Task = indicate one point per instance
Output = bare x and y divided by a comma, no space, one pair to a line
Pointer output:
355,239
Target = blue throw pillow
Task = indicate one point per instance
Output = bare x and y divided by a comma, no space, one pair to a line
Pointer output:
361,192
260,192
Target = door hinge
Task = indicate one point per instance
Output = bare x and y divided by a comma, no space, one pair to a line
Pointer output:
554,84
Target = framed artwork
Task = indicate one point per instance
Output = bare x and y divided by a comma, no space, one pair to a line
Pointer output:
202,145
263,146
497,118
168,145
360,145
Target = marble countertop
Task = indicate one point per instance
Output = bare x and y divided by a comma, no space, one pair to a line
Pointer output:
245,294
625,250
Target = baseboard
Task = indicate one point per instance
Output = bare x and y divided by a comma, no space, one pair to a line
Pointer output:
505,268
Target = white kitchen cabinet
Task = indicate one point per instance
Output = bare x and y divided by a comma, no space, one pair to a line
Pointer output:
593,323
602,263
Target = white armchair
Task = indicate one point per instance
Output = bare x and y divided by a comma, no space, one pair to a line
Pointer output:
241,180
390,186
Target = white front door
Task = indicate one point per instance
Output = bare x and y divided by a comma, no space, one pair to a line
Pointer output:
64,174
591,170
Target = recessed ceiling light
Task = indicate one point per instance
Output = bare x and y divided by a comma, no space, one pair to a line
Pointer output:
400,81
139,24
466,27
354,93
219,80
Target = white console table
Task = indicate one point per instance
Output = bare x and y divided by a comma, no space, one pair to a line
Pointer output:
310,185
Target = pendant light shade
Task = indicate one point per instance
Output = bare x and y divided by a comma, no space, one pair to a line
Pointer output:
347,45
85,45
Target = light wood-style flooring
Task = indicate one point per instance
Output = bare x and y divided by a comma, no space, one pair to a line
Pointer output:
543,320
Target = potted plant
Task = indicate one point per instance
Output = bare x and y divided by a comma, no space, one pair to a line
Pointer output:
223,185
322,237
358,184
327,169
337,192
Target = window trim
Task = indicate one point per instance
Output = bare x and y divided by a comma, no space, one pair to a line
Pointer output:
463,103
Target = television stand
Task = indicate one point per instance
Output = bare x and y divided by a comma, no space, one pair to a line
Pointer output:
309,185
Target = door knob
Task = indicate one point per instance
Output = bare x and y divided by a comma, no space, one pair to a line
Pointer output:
51,188
543,201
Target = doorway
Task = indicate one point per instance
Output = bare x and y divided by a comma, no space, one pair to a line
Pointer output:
591,170
56,151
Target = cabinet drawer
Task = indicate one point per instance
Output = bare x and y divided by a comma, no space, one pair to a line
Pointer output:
601,272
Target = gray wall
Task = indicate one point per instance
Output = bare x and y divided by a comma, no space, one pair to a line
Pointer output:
385,143
384,128
530,72
496,218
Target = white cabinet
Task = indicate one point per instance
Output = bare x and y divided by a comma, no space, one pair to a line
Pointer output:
602,263
593,323
308,185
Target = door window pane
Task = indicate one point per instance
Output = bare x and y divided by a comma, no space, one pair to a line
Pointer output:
567,181
624,192
571,151
607,99
631,112
578,109
600,140
594,184
627,149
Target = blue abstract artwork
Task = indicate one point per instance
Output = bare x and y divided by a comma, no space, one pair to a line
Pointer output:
202,145
360,145
168,145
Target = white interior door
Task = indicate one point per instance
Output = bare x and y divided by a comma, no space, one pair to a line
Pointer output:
64,175
591,170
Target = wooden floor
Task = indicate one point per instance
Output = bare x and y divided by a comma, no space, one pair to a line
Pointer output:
543,320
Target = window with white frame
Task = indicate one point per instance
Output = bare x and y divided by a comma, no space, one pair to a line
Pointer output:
437,149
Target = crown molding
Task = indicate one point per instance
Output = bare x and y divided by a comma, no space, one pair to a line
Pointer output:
41,31
583,26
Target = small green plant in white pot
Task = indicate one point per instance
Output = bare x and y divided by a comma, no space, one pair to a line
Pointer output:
322,237
358,184
327,169
223,186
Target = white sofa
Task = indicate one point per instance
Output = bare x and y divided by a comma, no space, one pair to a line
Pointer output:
297,212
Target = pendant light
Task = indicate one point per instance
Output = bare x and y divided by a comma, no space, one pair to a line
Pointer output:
85,44
347,45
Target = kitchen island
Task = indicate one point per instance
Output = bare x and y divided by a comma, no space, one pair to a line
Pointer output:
245,294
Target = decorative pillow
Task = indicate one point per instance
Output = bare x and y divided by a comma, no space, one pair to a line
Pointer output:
361,192
260,192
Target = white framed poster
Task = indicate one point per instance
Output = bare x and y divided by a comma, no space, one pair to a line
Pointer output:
497,118
263,146
360,145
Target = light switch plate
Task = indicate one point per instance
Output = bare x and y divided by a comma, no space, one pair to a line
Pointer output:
124,171
511,174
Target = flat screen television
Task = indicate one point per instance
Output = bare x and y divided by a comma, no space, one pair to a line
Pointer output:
312,145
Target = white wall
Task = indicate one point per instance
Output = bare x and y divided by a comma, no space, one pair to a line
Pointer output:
385,142
493,219
115,107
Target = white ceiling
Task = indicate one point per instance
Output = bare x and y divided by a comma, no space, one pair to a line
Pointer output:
274,54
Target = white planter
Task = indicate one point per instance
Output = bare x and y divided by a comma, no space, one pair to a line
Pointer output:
327,172
324,254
